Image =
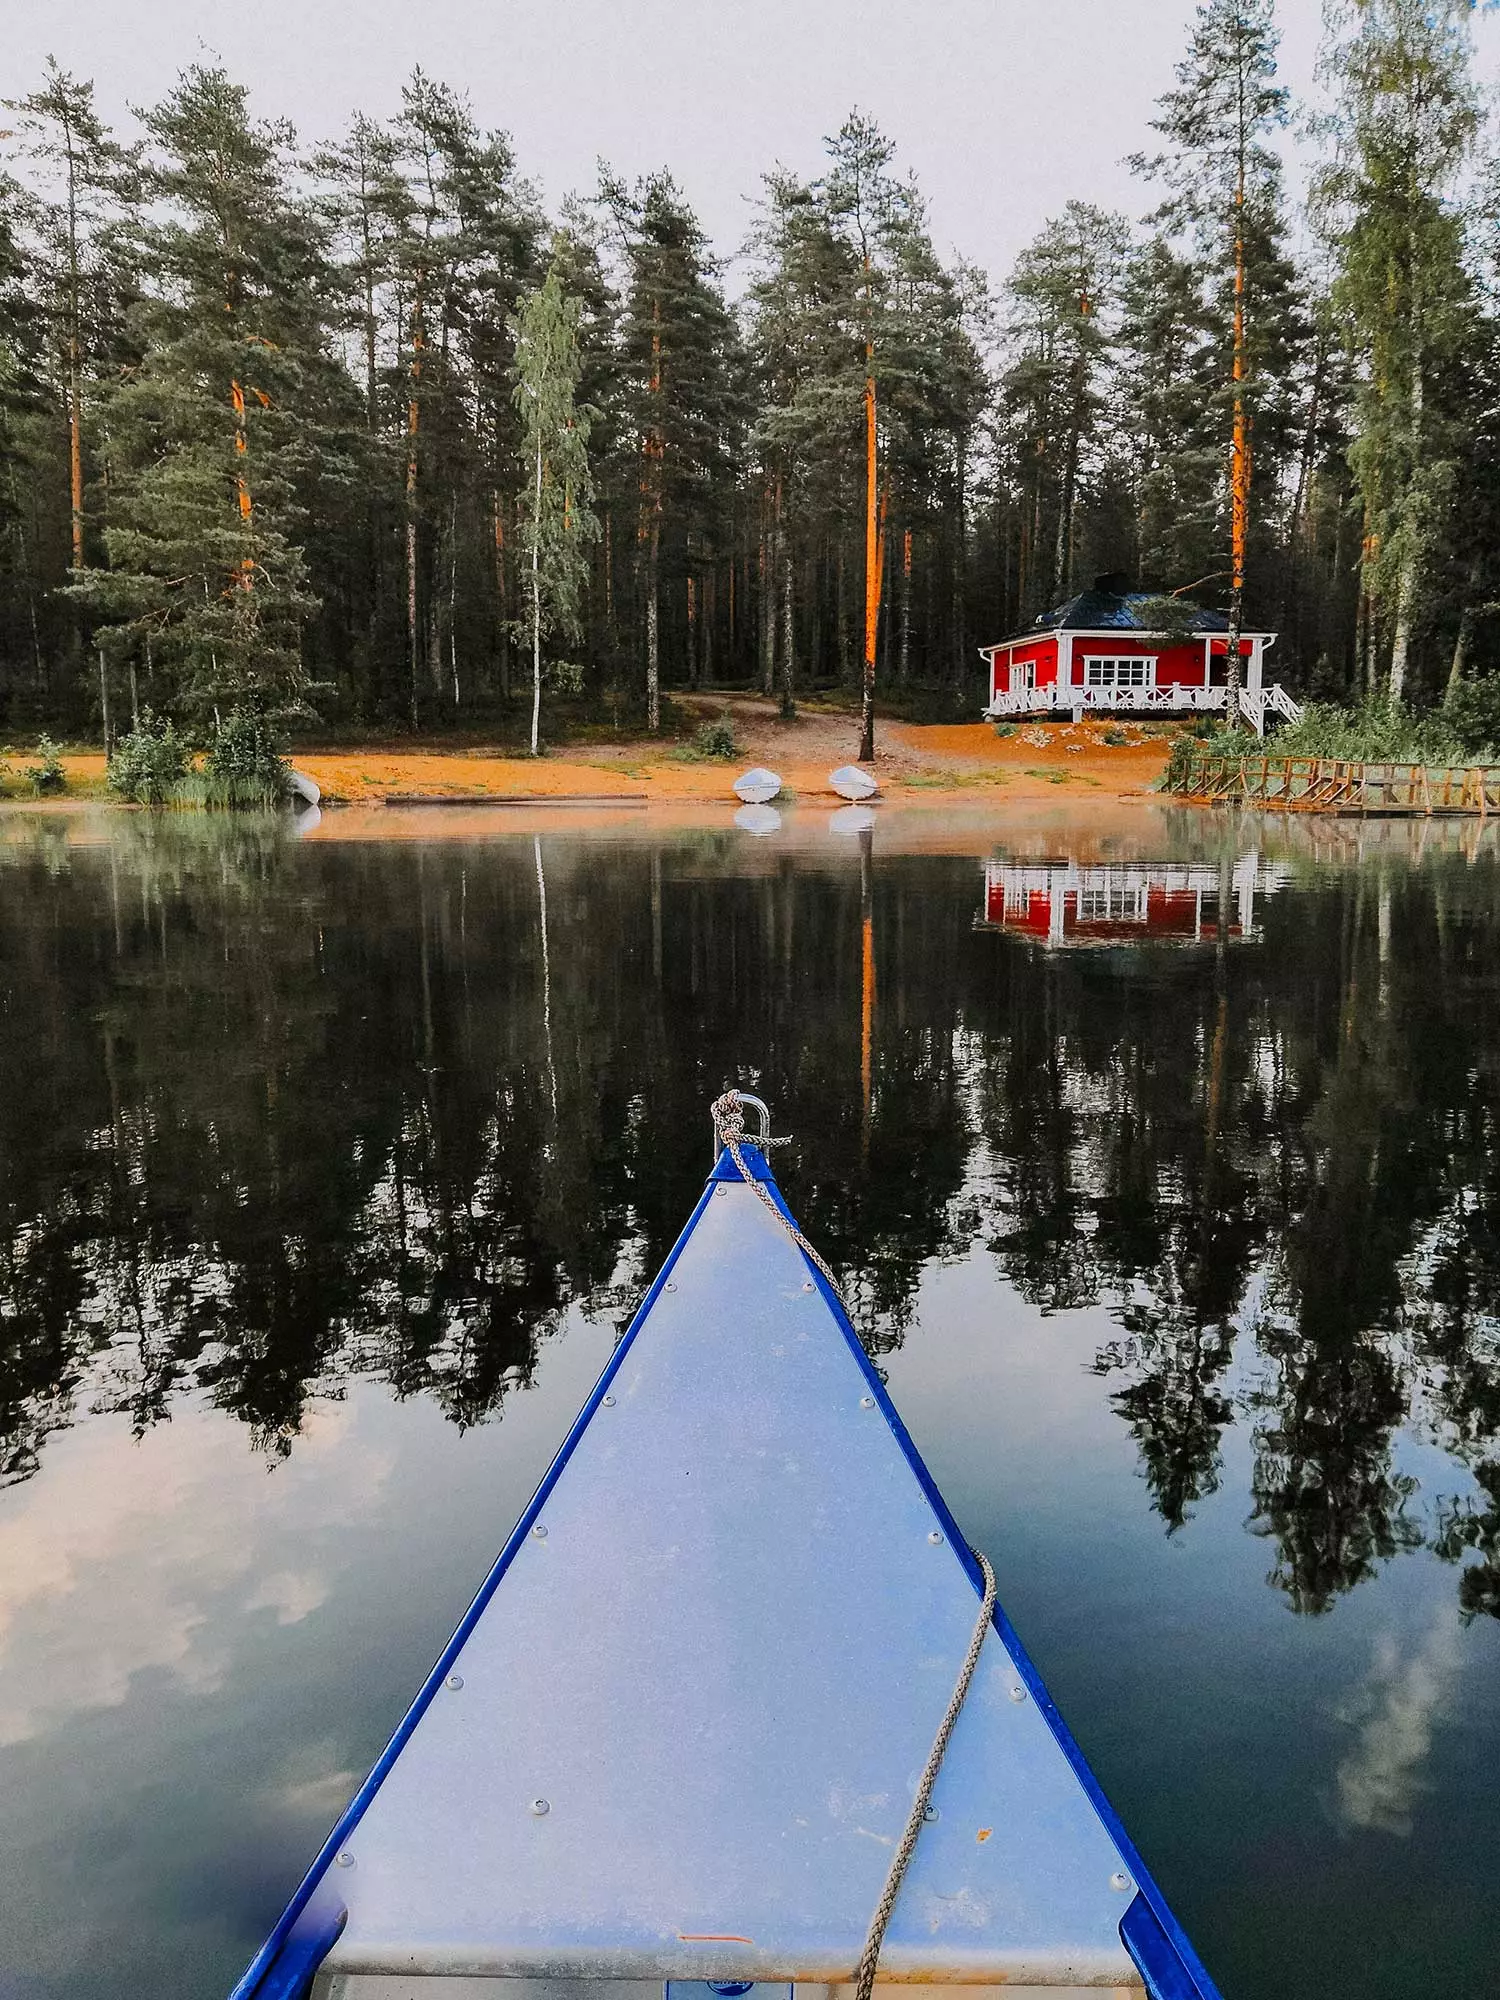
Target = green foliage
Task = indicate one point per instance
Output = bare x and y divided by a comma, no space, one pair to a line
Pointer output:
46,775
1004,729
557,517
149,763
1472,712
715,740
1171,619
1116,738
243,767
1378,731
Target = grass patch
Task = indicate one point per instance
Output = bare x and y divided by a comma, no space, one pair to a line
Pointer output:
943,781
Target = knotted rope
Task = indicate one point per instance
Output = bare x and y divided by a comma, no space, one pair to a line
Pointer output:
729,1124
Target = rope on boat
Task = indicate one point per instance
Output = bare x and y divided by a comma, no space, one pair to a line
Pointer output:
729,1124
869,1958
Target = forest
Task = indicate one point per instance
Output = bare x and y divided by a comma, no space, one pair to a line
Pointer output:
358,435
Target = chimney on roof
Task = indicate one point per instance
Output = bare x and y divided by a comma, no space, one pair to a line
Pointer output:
1113,583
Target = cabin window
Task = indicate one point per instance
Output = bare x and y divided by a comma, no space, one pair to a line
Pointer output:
1022,675
1132,672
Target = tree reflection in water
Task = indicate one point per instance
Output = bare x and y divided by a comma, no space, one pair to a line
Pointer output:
276,1116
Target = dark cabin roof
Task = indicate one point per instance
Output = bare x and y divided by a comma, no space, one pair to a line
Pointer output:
1096,610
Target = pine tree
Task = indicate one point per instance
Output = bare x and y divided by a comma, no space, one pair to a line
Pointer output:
206,436
1225,191
76,218
683,379
556,511
1063,295
863,204
1168,367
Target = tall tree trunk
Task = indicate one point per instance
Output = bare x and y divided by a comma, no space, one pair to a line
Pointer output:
1239,463
241,448
1465,635
872,569
536,609
769,607
961,557
501,597
1406,576
903,671
413,426
653,633
788,629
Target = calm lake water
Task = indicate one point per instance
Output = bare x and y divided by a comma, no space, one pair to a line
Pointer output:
1178,1238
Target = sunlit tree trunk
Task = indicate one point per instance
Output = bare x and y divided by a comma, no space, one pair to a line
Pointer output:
1239,454
872,567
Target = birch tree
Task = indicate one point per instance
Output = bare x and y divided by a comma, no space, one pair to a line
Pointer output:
1406,121
556,504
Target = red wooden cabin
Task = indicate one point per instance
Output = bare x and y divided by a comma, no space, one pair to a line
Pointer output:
1094,654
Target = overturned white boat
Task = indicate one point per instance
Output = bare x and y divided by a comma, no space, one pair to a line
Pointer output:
735,1705
850,782
758,786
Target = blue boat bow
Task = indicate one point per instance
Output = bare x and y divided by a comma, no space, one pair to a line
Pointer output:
677,1735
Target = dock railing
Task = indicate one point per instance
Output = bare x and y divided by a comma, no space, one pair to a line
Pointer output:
1337,785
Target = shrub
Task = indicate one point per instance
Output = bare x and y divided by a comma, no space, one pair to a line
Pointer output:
1472,712
1116,737
1377,732
1004,729
243,766
716,740
149,763
47,774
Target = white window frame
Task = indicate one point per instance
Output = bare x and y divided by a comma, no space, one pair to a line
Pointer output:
1023,676
1102,670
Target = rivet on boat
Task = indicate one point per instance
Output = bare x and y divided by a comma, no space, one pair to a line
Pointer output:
455,1681
609,1402
1121,1881
935,1538
932,1813
1018,1694
346,1859
539,1808
808,1286
867,1402
540,1532
669,1286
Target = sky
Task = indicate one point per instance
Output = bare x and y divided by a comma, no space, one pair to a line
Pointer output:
1004,108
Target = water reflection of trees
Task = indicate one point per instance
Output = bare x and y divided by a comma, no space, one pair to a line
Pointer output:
274,1117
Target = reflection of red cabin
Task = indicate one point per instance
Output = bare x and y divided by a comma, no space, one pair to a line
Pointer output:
1061,903
1093,654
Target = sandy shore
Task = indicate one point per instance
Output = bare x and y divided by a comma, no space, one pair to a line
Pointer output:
956,763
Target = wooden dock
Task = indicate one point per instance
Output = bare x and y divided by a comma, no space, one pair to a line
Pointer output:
1341,785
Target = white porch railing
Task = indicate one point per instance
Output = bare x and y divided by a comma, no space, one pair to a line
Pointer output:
1255,703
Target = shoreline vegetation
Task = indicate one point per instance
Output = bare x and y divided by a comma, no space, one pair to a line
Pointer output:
352,431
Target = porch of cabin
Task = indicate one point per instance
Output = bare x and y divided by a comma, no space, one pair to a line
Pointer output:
1122,672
